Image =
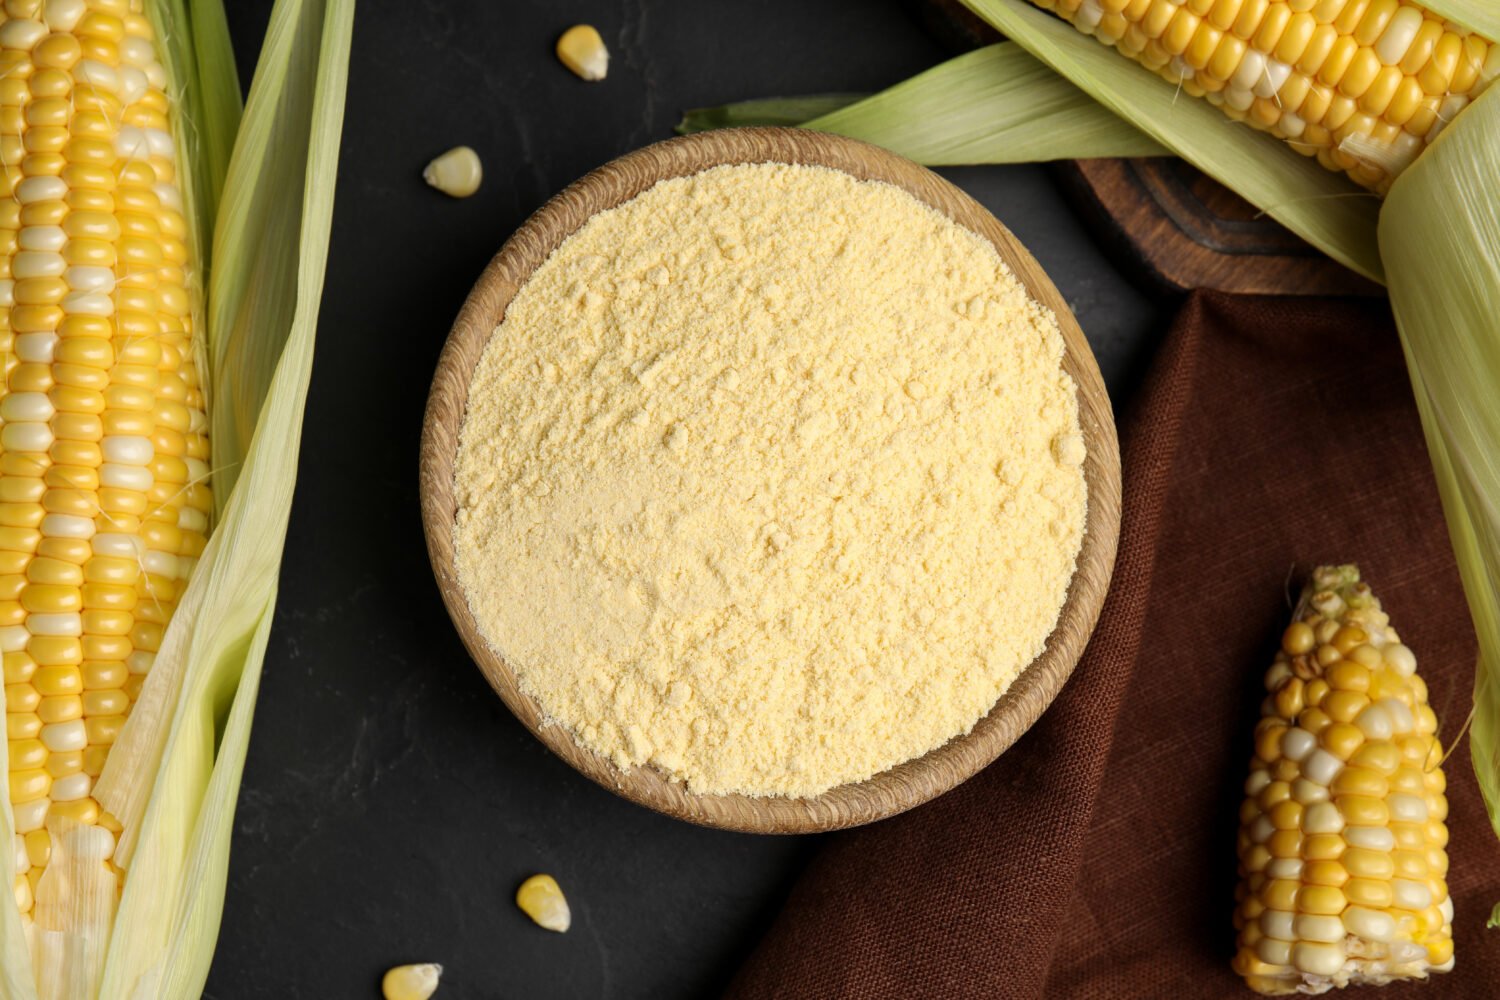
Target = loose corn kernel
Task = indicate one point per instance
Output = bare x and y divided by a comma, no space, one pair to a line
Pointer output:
541,899
582,50
456,173
411,982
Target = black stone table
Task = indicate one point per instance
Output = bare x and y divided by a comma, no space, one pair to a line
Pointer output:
391,805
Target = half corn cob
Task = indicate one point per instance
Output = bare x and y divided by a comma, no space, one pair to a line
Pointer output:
104,502
1341,841
1363,85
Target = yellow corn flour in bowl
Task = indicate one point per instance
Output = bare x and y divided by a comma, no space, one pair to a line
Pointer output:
771,479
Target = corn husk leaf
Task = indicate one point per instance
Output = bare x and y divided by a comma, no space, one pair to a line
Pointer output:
997,104
1440,237
196,52
1323,208
173,776
1479,16
764,111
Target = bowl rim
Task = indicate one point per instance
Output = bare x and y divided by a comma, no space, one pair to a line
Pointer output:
891,791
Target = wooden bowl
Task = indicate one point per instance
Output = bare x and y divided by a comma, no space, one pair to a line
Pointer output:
901,787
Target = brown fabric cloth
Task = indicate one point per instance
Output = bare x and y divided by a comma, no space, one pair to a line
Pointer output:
1096,857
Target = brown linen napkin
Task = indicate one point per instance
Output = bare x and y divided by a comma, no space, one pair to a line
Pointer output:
1096,857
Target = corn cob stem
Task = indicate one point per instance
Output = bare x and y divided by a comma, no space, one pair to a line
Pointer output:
1341,842
1363,85
104,503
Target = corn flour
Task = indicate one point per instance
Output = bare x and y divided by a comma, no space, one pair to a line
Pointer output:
771,479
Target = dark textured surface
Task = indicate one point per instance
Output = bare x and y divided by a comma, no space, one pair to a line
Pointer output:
391,805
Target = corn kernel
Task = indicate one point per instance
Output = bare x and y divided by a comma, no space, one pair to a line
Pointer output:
1360,781
1268,742
1344,706
1274,794
1341,739
85,811
1298,639
1347,675
1348,637
1322,847
1314,720
582,50
38,848
457,172
541,899
1329,873
411,982
1281,894
1363,810
1380,757
1285,844
1365,864
1321,899
1289,700
1318,959
1286,815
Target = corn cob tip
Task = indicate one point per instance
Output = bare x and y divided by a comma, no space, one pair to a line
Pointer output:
1342,840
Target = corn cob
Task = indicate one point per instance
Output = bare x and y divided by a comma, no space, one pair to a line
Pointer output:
104,502
1341,841
1363,85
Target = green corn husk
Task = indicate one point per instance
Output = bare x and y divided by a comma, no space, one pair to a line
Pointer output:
993,105
258,192
1001,104
1479,16
1440,239
764,111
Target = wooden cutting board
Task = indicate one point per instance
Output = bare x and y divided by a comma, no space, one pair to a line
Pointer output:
1164,221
